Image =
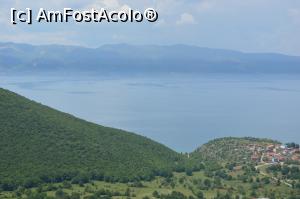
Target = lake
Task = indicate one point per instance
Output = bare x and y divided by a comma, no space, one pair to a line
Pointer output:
181,111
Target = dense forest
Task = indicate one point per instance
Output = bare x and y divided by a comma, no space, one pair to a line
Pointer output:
39,144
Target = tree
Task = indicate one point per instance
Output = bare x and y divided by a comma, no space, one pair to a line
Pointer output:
189,172
155,194
200,195
127,192
207,183
253,193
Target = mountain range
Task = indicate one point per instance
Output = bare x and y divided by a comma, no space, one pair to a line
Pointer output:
142,59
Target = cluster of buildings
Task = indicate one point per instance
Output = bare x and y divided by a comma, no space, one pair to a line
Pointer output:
274,153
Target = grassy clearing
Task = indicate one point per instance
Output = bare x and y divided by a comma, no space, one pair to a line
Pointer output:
180,182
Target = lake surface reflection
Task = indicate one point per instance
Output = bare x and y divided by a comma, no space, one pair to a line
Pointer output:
180,111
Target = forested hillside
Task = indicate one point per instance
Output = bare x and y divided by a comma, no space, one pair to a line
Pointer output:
47,154
39,144
228,149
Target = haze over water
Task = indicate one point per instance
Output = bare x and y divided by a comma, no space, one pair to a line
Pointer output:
181,111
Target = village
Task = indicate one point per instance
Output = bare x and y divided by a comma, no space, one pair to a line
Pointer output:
275,153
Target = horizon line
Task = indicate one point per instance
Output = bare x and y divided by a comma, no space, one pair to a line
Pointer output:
146,45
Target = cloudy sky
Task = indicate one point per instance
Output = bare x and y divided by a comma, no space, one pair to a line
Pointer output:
247,25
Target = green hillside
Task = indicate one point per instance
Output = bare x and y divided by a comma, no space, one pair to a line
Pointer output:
228,149
47,154
39,144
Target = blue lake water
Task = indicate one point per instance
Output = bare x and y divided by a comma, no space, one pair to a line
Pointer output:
180,111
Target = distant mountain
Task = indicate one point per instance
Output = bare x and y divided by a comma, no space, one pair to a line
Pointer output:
39,144
129,59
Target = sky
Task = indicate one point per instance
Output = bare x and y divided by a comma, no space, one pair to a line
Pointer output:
245,25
